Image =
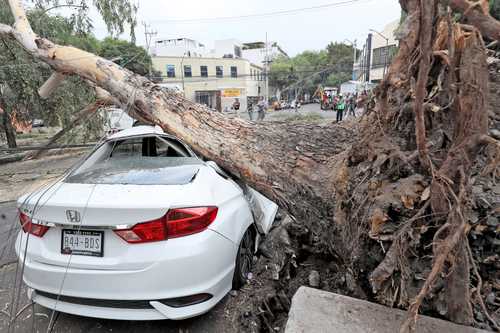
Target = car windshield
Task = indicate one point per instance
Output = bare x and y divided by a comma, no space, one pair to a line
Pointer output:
138,161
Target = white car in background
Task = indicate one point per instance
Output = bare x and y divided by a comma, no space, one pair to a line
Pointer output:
142,229
116,120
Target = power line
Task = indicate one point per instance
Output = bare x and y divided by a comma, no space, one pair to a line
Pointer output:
269,14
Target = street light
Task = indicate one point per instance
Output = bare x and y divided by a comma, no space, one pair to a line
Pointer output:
354,56
386,48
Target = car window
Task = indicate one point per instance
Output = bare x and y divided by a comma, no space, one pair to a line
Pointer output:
152,160
131,147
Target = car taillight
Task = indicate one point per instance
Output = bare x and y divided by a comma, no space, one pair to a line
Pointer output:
30,227
177,222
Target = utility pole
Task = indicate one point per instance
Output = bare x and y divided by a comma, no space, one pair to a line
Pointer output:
266,70
148,34
353,44
368,58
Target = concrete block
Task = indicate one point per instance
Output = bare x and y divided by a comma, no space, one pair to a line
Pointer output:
317,311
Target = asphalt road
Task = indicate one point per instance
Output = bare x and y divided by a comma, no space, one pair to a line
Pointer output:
307,112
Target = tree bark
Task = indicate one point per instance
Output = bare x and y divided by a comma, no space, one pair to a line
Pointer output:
10,132
477,14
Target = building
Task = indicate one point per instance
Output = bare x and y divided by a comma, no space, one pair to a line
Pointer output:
217,77
377,54
177,47
215,82
257,53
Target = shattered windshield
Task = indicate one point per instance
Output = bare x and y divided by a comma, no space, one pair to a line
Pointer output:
143,171
138,161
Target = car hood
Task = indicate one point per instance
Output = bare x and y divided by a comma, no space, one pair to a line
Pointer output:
119,204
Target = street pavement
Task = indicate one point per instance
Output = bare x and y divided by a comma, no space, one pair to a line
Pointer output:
310,112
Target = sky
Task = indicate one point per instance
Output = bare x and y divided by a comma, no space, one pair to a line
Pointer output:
295,33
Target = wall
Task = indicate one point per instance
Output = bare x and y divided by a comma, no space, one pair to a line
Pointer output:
377,73
247,85
177,48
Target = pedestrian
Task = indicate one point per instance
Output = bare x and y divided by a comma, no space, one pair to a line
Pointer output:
250,110
295,104
236,105
351,105
261,109
340,109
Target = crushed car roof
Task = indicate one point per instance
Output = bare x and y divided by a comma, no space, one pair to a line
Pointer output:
138,130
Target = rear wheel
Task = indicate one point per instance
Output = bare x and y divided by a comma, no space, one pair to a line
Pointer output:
244,260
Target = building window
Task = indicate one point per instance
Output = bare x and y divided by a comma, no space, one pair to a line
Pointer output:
187,71
234,71
219,71
170,71
383,55
204,71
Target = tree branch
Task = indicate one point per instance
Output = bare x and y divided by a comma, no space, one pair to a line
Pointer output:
22,28
51,84
6,30
478,17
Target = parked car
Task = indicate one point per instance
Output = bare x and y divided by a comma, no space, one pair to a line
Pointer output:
295,104
142,229
285,105
37,123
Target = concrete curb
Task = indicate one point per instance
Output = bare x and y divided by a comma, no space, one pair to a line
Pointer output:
315,311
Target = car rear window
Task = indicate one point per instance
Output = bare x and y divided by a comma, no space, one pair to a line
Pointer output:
138,161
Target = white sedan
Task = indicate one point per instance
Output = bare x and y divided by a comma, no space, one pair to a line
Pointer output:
142,229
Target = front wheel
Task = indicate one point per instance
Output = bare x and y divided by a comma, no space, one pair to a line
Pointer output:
244,260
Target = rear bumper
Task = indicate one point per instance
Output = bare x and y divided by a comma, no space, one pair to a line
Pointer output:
198,264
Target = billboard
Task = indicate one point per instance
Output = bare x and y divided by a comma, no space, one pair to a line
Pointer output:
231,92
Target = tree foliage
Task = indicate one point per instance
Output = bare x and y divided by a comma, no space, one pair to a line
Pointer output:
117,14
329,67
126,54
495,8
21,75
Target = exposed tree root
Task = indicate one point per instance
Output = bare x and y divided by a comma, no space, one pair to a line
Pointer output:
478,289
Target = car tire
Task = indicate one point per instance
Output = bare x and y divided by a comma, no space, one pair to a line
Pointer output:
244,260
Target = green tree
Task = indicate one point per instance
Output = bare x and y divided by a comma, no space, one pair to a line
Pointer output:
495,8
21,75
307,70
126,54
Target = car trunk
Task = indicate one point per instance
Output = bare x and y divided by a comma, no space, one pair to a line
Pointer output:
97,209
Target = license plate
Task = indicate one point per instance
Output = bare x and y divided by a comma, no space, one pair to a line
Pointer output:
82,242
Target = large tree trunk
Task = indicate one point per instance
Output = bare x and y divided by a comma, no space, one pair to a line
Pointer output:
354,190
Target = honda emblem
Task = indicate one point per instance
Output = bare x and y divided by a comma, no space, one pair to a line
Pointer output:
73,216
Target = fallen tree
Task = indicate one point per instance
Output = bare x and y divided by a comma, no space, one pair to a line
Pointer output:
390,197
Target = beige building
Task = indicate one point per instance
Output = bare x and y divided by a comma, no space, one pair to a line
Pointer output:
215,82
377,54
